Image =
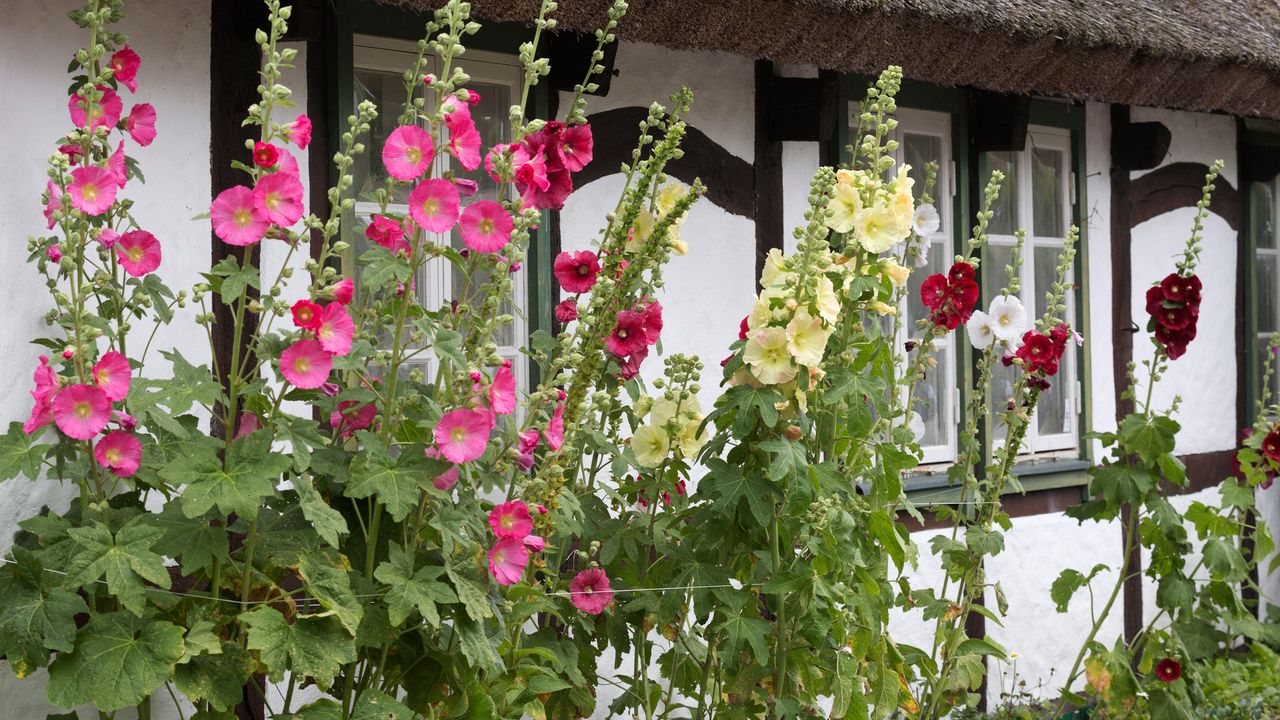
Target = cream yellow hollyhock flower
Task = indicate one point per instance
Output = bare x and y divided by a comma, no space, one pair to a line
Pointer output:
774,265
651,445
807,339
642,405
767,354
762,311
828,301
641,229
689,439
882,308
879,228
670,194
664,410
903,203
843,207
678,245
896,273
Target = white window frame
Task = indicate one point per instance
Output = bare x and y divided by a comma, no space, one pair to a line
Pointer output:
435,279
1263,336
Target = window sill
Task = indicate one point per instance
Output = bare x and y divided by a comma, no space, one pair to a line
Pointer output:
932,487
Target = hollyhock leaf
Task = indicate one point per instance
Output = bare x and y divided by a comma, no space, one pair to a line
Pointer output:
329,583
377,705
323,709
398,482
233,279
216,677
315,647
190,385
329,524
471,595
741,631
1175,593
1225,560
1150,437
251,474
193,542
20,454
476,646
731,485
125,559
410,590
753,402
303,436
36,619
789,458
119,659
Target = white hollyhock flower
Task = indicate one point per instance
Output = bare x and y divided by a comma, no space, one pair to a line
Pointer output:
1008,318
981,329
925,222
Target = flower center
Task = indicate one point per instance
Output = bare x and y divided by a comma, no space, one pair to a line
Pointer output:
89,191
486,226
458,434
83,410
302,364
430,206
113,456
134,253
243,217
413,154
273,200
622,334
584,270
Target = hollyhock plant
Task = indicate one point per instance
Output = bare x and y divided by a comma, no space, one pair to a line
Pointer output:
511,520
576,272
590,591
576,146
81,411
464,138
389,233
46,380
336,329
141,124
507,560
237,219
278,196
124,66
92,189
463,434
485,226
307,315
1271,445
1174,307
1168,670
433,205
104,112
408,152
951,297
298,132
120,452
138,252
352,416
113,374
305,364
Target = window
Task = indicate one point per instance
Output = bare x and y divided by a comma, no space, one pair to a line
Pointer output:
379,65
1263,201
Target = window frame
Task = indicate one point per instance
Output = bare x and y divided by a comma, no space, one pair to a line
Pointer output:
1255,137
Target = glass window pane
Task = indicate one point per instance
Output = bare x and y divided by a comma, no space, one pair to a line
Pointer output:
1004,220
1045,274
1262,204
1264,296
386,89
1002,380
919,151
997,257
1048,182
1053,411
933,402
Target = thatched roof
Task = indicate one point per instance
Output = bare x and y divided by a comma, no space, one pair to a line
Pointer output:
1189,54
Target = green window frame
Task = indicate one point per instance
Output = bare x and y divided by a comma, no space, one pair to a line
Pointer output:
1260,264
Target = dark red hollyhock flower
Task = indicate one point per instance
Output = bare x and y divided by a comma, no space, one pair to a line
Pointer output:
1155,300
652,313
960,274
1168,670
933,291
1059,335
567,311
965,296
1175,318
1174,306
628,336
1175,341
743,328
576,271
630,365
950,298
1039,354
1271,445
1177,288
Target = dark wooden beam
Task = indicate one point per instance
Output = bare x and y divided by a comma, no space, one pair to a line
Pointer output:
1179,185
767,175
828,152
998,121
1140,146
801,109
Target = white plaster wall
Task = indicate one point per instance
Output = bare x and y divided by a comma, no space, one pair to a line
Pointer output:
172,37
1269,510
1098,330
799,162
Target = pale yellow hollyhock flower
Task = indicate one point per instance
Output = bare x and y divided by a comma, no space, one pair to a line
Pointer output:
669,195
774,265
879,228
664,410
762,311
903,203
678,245
642,228
807,339
767,354
843,207
882,308
896,273
642,405
651,445
689,439
828,301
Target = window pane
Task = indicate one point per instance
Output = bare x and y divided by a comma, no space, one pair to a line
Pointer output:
994,278
933,402
1262,219
1004,220
386,89
918,151
1054,411
1048,180
1264,297
1045,272
1002,380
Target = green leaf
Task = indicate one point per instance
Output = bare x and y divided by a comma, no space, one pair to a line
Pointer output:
330,584
478,649
1224,559
1175,593
118,660
398,482
315,647
303,436
471,595
36,618
740,630
218,678
193,542
251,473
751,403
19,454
125,559
412,590
1067,583
230,280
1122,483
789,458
1149,436
730,485
323,709
330,525
1172,469
189,385
377,705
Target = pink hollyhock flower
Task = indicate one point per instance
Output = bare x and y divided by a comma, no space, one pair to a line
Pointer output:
352,416
491,157
528,440
129,422
108,238
46,387
511,520
305,364
237,219
555,429
590,591
472,97
306,315
466,188
117,166
553,196
141,124
485,226
81,411
628,334
575,147
120,452
408,152
250,423
567,311
138,252
502,391
433,205
389,233
279,197
653,321
104,113
113,375
507,560
73,152
343,291
464,139
92,189
336,329
629,366
463,434
53,204
535,543
265,154
530,168
298,132
445,480
124,67
288,164
54,253
576,272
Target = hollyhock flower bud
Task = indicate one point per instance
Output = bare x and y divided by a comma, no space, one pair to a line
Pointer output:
54,253
466,188
343,291
298,132
68,353
127,421
567,311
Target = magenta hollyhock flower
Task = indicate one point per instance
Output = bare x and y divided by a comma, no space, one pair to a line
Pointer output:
138,252
530,168
555,429
120,452
250,423
466,188
103,113
108,238
81,411
113,374
502,391
265,155
567,311
463,434
511,520
46,387
343,290
336,329
351,416
73,152
575,147
629,366
485,226
576,272
528,440
237,219
535,543
54,253
507,560
141,124
92,189
53,203
590,592
628,334
305,364
306,315
116,164
652,322
552,197
445,480
127,421
408,152
389,233
433,205
124,67
298,132
464,139
278,195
